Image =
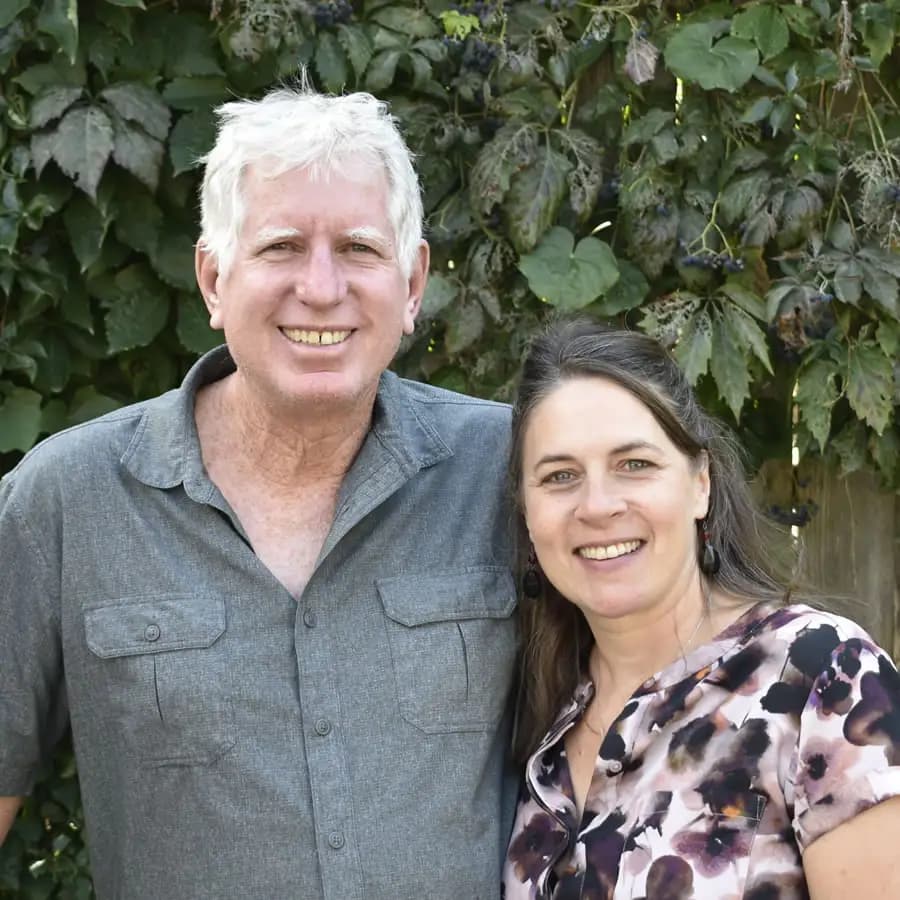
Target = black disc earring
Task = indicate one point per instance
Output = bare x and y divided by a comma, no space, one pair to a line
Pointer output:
709,556
531,580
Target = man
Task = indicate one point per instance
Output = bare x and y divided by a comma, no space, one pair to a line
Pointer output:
275,604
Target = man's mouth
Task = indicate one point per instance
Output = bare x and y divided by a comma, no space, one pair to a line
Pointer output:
315,338
609,551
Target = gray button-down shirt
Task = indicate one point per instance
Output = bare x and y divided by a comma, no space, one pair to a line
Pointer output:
231,741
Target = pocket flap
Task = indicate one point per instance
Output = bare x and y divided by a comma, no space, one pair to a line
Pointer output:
130,627
487,593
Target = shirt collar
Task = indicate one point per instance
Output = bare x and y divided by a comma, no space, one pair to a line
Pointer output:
165,449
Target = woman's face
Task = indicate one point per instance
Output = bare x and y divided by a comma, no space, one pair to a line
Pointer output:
610,502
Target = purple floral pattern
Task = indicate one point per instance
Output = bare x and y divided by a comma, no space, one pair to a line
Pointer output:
720,770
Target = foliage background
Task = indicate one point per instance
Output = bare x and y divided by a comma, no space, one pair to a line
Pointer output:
724,176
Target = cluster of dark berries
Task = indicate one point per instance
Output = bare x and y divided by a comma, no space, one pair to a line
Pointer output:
724,261
332,12
479,55
792,515
892,193
484,11
556,5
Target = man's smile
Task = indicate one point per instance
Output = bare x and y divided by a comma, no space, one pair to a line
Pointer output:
316,338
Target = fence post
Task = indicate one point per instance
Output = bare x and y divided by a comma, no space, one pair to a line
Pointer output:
851,548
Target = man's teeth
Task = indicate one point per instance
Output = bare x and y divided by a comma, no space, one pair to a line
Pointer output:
610,551
300,336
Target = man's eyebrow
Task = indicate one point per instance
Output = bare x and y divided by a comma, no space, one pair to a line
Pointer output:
368,233
265,235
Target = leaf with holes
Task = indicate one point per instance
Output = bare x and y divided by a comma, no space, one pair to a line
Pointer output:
534,197
569,278
512,148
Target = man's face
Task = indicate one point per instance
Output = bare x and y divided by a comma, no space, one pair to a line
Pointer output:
315,301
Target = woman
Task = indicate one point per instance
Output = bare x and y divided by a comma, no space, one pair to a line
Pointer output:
686,734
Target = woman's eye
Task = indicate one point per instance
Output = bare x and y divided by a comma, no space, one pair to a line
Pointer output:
636,465
563,477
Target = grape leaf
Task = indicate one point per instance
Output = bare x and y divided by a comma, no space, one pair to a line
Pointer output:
534,197
817,393
870,384
694,54
566,278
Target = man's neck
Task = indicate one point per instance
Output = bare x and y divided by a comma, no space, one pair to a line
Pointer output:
283,447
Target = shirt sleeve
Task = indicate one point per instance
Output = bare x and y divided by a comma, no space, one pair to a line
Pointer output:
33,713
848,752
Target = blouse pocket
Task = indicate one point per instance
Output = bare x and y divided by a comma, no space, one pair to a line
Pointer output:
164,677
453,644
703,854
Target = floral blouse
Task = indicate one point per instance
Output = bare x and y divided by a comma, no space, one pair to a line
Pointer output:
720,770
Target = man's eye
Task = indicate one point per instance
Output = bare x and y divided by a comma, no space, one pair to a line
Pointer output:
278,245
356,247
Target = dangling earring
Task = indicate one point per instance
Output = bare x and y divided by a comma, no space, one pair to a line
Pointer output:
709,556
531,580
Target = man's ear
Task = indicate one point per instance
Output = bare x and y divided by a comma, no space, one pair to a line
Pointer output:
418,278
206,267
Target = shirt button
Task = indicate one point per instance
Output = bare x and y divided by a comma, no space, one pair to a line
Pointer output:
323,727
336,840
614,767
309,618
151,633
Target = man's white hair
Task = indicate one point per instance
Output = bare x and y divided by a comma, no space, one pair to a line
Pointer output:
295,128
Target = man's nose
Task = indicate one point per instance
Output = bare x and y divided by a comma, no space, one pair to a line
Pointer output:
599,498
320,279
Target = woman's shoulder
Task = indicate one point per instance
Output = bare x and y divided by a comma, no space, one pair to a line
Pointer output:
803,619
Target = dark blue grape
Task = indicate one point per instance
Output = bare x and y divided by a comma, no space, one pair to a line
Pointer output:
332,12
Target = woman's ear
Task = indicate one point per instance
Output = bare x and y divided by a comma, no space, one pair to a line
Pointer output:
702,484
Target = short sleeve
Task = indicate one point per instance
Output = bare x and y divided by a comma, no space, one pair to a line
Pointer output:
848,752
32,700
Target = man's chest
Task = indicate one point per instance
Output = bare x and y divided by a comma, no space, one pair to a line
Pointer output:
286,533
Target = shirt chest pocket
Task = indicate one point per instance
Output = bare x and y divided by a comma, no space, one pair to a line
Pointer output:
453,645
162,677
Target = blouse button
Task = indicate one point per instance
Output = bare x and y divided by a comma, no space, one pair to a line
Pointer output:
614,767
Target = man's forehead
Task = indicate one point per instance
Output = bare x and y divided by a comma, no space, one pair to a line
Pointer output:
363,168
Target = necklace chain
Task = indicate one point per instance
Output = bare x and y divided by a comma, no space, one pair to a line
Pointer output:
601,732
